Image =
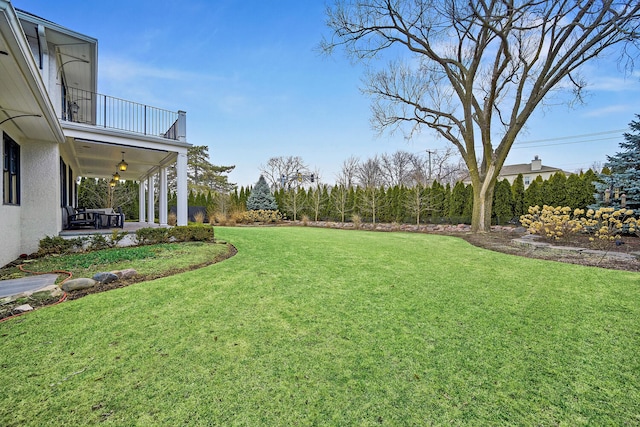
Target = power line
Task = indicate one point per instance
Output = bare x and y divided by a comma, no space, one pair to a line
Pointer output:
567,143
561,138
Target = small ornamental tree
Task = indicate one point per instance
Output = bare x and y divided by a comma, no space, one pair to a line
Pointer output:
261,197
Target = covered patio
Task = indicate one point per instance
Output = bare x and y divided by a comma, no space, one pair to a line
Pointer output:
97,152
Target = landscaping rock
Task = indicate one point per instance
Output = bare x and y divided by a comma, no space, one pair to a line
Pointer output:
77,284
105,277
125,274
52,291
23,308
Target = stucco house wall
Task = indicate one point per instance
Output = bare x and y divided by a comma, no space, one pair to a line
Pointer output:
23,225
40,193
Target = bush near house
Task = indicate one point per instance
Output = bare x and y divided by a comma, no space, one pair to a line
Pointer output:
184,233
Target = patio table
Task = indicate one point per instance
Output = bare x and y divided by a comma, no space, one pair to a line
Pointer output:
103,214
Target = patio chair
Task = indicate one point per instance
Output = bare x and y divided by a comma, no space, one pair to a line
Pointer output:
80,218
115,219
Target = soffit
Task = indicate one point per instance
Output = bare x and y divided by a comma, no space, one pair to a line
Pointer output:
99,159
22,92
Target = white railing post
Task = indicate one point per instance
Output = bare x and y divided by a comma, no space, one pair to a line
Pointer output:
181,132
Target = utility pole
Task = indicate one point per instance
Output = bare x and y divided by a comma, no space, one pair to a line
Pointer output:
430,152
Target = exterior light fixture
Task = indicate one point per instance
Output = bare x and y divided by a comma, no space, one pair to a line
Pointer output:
116,176
112,183
122,166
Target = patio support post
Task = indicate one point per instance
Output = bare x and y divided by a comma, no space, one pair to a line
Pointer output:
151,217
162,197
141,201
181,178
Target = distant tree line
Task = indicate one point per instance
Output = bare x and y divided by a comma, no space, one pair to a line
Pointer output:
435,203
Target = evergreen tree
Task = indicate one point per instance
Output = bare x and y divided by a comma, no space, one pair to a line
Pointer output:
436,199
326,211
574,187
261,197
191,200
502,202
202,175
468,207
353,199
625,169
588,191
447,199
457,201
280,195
517,191
554,190
533,193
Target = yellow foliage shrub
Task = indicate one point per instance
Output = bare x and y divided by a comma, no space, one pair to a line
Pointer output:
605,224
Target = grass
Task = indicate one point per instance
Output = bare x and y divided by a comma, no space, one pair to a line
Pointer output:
312,326
152,259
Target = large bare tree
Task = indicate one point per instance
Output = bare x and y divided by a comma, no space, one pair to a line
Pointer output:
282,172
478,69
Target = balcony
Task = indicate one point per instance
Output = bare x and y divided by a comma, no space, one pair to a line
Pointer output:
81,106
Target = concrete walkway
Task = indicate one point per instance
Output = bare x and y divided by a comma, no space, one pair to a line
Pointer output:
26,284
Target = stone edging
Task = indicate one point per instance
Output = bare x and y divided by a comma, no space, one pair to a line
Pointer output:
529,241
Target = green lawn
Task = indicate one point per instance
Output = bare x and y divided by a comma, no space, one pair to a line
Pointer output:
312,326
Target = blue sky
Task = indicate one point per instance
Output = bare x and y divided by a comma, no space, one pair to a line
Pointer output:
254,86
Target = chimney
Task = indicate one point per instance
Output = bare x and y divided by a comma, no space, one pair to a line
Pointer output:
536,164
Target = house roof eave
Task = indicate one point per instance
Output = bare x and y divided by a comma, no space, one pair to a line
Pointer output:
24,90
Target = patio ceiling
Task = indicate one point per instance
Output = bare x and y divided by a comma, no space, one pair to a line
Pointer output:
99,159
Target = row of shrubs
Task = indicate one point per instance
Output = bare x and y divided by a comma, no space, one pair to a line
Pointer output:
606,224
144,236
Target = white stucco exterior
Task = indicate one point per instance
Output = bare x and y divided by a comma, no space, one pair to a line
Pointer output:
40,193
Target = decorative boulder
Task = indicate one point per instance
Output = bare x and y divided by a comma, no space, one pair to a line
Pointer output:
77,284
125,274
49,291
23,308
105,277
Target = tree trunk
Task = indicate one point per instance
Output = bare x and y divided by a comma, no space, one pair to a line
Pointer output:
482,201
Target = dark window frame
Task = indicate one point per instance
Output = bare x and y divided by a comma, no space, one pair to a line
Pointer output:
63,183
10,171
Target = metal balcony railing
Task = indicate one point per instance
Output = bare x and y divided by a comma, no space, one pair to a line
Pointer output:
81,106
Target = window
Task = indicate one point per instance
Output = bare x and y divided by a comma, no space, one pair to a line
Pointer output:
527,180
63,183
11,172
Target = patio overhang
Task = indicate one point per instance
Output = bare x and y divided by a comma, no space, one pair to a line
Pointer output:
25,109
95,152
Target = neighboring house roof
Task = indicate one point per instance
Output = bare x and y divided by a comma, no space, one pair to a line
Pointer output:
534,168
525,168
